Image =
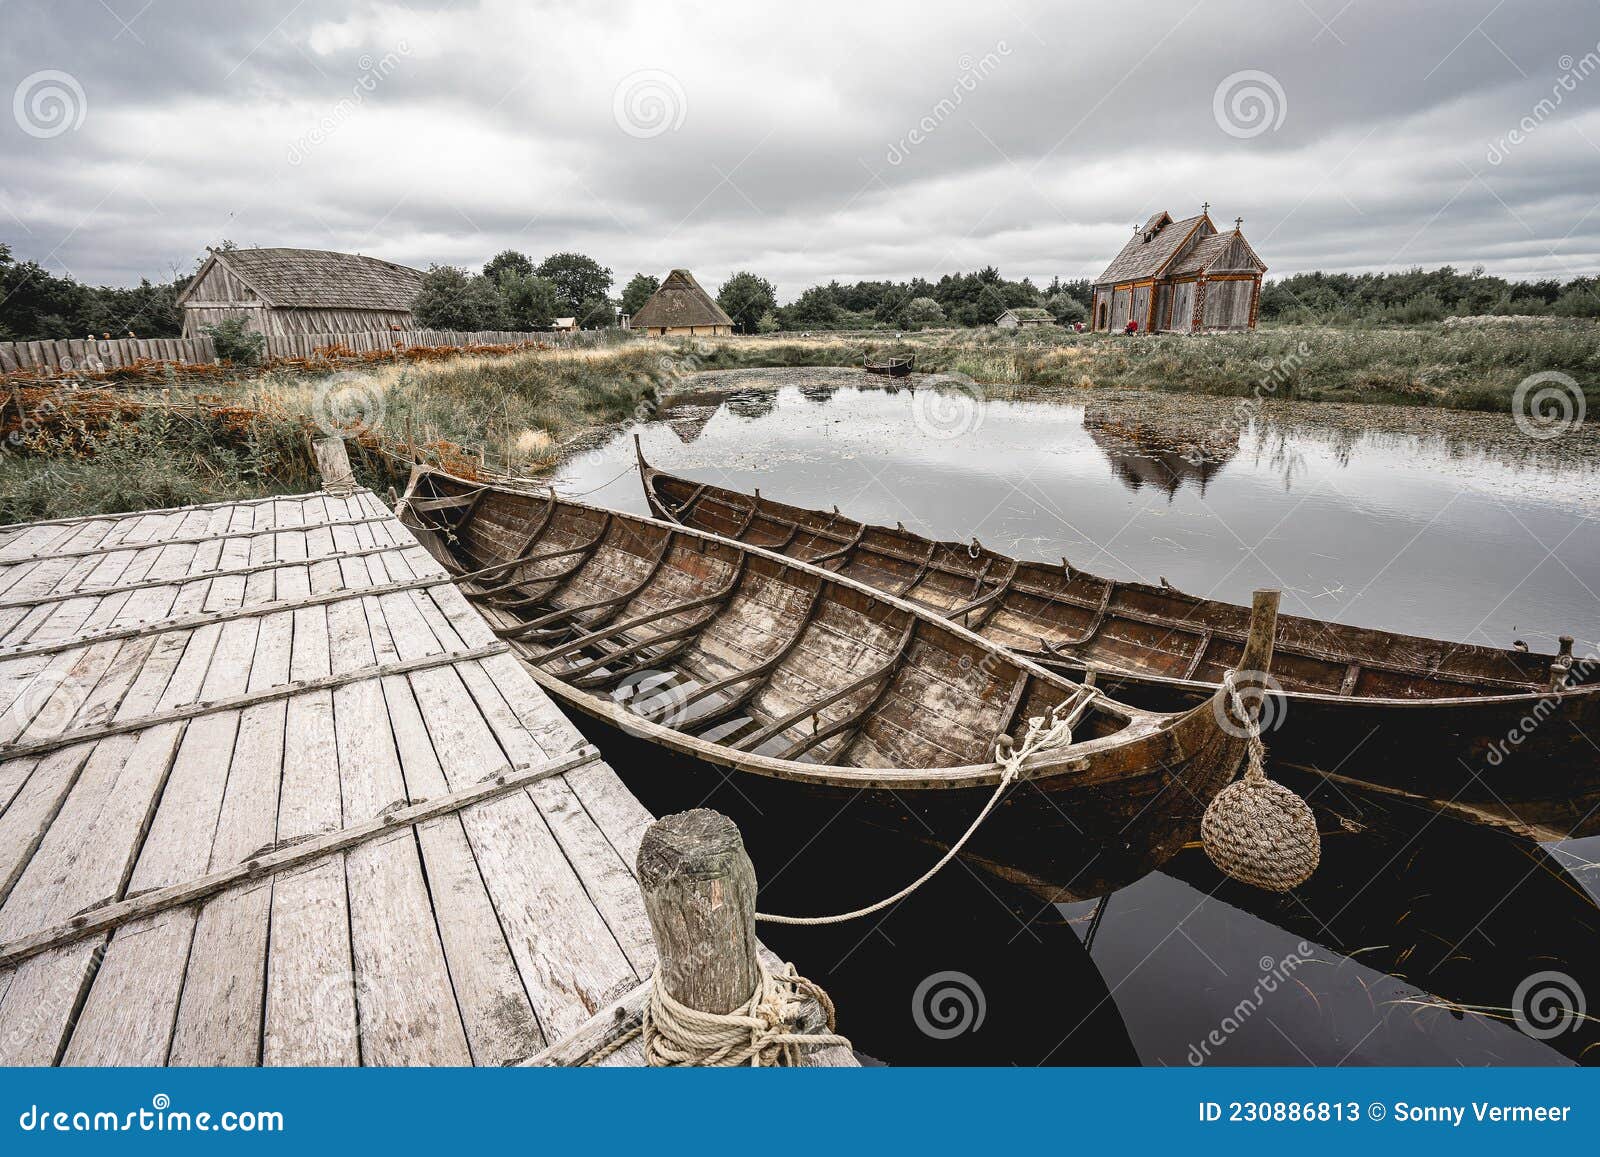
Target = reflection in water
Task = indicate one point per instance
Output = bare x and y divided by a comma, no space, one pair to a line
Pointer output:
1421,929
1159,453
689,421
753,403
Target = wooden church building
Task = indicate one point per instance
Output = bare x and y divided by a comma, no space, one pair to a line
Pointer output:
297,291
1181,277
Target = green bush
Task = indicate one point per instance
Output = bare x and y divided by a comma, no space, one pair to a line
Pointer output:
235,343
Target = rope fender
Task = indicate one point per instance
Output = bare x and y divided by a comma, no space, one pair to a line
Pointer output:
1256,830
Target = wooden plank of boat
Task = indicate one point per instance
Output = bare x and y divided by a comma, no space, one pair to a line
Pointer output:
1398,711
815,684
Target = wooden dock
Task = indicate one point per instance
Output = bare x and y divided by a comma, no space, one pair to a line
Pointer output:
271,792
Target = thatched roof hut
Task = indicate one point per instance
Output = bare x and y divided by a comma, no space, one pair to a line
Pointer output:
680,306
295,291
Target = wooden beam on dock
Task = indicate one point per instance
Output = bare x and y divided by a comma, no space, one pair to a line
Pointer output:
112,916
190,711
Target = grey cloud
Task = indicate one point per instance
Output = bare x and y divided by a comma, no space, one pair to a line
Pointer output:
862,141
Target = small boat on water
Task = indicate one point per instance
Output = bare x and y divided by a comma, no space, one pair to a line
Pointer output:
1504,733
894,367
821,691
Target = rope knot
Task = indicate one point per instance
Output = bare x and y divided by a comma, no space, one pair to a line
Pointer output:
762,1032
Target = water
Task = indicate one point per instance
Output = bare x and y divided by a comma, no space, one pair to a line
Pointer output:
1411,943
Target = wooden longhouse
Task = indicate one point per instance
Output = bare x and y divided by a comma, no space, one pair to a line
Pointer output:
1181,277
281,292
680,308
1025,317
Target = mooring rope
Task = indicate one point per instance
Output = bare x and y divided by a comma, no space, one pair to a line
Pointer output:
628,469
1044,733
760,1033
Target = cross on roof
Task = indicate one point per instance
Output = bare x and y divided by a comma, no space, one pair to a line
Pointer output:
1238,223
1205,207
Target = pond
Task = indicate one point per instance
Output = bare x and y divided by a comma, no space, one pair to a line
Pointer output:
1422,939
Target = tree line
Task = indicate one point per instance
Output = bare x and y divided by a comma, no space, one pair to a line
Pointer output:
512,292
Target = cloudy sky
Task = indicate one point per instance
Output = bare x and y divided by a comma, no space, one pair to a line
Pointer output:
802,141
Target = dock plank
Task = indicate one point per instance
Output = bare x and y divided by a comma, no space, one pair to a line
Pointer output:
407,1008
219,1014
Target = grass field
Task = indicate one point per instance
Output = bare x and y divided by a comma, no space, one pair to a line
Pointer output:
1456,367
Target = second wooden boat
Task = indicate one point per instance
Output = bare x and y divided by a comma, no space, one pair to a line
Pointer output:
893,368
1505,733
821,691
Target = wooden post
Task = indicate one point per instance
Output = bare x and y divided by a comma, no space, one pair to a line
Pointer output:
334,465
1256,661
699,891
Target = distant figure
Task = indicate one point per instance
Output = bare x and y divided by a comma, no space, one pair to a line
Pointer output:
1133,327
1077,327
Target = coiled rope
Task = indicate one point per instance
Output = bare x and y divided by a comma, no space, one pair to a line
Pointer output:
1044,733
760,1033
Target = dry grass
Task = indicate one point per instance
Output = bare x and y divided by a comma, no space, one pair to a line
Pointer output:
77,454
1457,367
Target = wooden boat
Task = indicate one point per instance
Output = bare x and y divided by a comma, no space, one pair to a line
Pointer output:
894,367
820,689
1505,733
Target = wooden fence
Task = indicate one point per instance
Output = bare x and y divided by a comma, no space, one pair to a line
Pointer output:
81,355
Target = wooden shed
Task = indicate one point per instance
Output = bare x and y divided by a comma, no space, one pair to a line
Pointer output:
1181,277
296,291
1024,317
681,307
